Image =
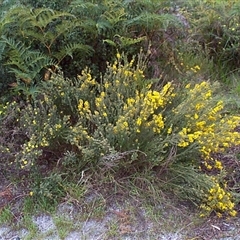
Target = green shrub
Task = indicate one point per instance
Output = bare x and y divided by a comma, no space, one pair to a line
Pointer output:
40,43
125,124
47,191
215,26
61,5
84,34
11,134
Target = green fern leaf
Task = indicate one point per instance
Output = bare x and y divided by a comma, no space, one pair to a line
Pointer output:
110,42
70,49
153,21
42,17
23,62
122,42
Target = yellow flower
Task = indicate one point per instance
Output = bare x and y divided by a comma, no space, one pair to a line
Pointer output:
183,144
210,198
196,116
86,105
80,104
208,94
218,165
139,121
169,131
233,213
102,94
209,167
117,82
31,194
220,196
58,126
106,85
197,67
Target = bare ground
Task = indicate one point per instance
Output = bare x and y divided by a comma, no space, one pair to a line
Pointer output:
114,217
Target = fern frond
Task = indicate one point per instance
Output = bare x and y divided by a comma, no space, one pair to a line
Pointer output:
114,16
70,49
3,24
87,9
66,26
137,7
110,42
28,90
42,17
35,23
23,62
154,21
15,46
30,67
103,25
123,42
19,74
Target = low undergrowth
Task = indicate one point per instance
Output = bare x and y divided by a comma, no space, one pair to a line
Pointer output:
124,125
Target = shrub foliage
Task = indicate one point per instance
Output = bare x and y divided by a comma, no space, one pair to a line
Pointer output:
130,129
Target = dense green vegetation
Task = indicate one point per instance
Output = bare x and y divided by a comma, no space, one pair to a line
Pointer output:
145,91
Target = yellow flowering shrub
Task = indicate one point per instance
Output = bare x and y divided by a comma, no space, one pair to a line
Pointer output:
128,113
126,108
207,130
219,200
206,125
124,121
